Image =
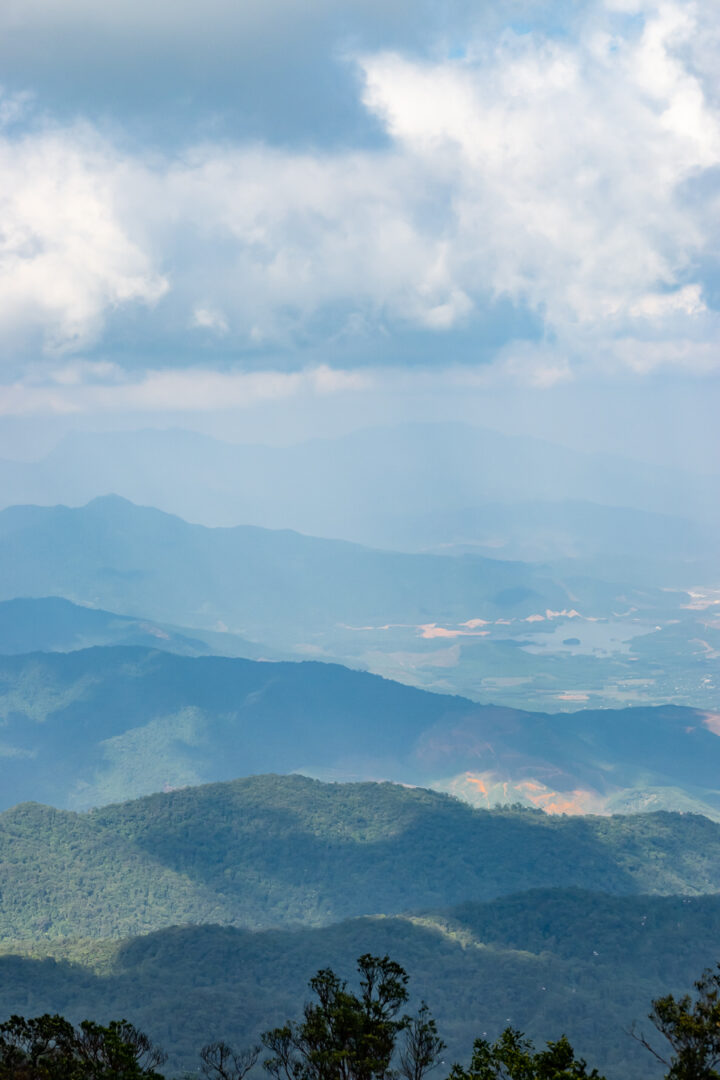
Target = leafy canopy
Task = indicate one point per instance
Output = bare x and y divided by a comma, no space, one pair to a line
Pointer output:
348,1036
50,1048
512,1057
692,1028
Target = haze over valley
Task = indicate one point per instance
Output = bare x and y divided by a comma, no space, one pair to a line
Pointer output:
359,540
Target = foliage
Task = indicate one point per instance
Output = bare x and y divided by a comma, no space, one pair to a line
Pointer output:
285,850
692,1028
547,962
50,1048
512,1057
347,1036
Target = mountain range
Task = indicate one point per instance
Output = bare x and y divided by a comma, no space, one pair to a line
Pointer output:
92,726
481,907
547,961
146,662
139,561
412,487
515,633
276,850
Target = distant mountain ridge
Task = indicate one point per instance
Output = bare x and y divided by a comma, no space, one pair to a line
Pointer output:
104,724
407,487
401,464
140,561
478,626
54,624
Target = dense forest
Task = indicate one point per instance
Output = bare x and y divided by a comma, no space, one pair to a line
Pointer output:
272,851
547,962
100,725
362,1033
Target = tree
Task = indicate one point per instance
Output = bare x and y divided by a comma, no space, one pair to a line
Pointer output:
347,1036
118,1050
512,1057
422,1047
692,1028
220,1062
50,1048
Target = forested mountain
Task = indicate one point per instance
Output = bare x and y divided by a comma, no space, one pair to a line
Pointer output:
99,725
271,851
546,962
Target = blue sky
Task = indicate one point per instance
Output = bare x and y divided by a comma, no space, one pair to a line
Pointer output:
356,209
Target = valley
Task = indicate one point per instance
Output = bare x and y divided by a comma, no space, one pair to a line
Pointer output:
510,633
503,776
359,540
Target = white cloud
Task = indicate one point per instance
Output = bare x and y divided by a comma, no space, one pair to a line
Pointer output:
574,176
67,254
209,318
687,301
565,161
105,388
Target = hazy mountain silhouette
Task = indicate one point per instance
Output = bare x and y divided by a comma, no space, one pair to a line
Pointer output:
105,724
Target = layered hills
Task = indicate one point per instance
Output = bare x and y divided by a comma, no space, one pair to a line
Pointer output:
513,633
409,486
139,561
93,726
297,854
273,851
547,961
141,656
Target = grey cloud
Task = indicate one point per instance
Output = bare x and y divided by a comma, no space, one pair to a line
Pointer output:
537,188
172,70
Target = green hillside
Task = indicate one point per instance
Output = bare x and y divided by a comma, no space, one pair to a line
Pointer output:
547,962
273,851
94,726
107,724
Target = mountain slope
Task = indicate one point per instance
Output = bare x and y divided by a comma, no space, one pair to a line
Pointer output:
546,962
98,725
411,487
53,624
139,561
104,724
515,633
287,850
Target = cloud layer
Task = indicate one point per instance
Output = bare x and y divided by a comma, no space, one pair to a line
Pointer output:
574,178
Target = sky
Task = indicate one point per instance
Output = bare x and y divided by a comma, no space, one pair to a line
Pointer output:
272,219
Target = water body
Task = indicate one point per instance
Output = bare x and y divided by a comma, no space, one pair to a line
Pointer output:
602,638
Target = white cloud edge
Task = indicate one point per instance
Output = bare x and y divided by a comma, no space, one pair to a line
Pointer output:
105,388
588,226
